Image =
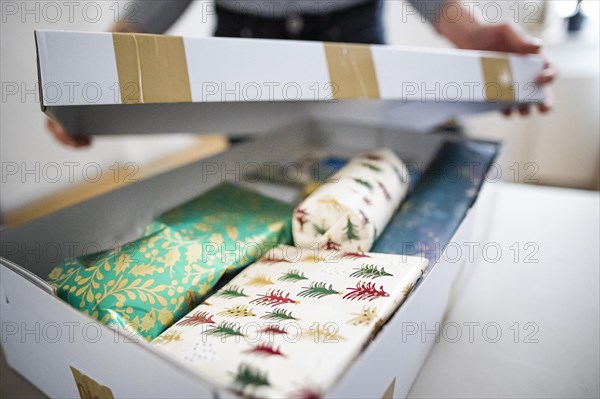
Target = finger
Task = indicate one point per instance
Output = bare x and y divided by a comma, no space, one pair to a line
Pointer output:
83,141
59,133
544,107
547,75
524,109
62,136
67,140
78,141
517,43
548,103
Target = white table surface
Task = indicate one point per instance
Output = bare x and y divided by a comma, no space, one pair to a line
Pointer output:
559,296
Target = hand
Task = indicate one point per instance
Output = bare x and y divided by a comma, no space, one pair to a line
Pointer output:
59,132
468,33
505,38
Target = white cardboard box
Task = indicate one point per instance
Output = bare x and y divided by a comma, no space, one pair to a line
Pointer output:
45,339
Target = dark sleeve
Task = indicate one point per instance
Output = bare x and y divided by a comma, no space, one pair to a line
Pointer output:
156,16
430,9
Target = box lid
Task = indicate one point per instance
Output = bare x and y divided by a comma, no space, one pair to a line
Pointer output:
116,83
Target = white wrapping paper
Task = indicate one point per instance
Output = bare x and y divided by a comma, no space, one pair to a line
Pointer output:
350,211
290,324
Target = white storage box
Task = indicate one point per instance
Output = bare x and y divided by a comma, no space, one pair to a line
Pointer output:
44,338
65,353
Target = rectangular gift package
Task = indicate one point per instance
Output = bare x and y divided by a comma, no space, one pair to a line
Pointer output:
290,324
148,283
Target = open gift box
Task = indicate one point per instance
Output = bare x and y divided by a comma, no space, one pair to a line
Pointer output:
300,98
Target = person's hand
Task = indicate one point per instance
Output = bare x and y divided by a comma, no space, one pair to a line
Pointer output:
506,38
467,32
59,132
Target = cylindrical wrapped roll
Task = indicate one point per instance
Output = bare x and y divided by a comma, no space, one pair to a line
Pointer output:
350,211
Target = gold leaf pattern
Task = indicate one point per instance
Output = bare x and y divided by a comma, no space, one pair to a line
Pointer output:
313,259
333,203
194,253
237,311
365,317
216,239
260,280
160,277
122,262
232,232
320,334
143,270
171,336
147,322
406,290
165,317
172,257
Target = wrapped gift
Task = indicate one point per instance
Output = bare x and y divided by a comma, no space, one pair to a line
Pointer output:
350,211
146,284
432,212
291,323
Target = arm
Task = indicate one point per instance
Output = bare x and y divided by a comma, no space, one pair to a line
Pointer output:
149,16
152,16
467,32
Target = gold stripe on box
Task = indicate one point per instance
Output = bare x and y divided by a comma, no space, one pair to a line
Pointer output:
498,79
352,71
151,68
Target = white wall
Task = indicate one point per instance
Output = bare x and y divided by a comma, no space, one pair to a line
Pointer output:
24,142
564,145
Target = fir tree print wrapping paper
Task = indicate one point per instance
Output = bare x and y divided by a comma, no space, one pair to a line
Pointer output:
147,284
436,207
290,324
350,211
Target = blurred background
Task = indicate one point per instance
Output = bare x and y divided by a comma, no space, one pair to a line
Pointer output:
560,149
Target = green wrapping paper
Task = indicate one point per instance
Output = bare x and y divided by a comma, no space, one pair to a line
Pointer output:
147,284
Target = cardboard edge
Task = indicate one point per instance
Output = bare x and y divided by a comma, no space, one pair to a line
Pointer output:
29,276
36,37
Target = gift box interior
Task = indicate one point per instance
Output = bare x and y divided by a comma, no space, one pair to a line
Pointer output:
64,352
29,253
